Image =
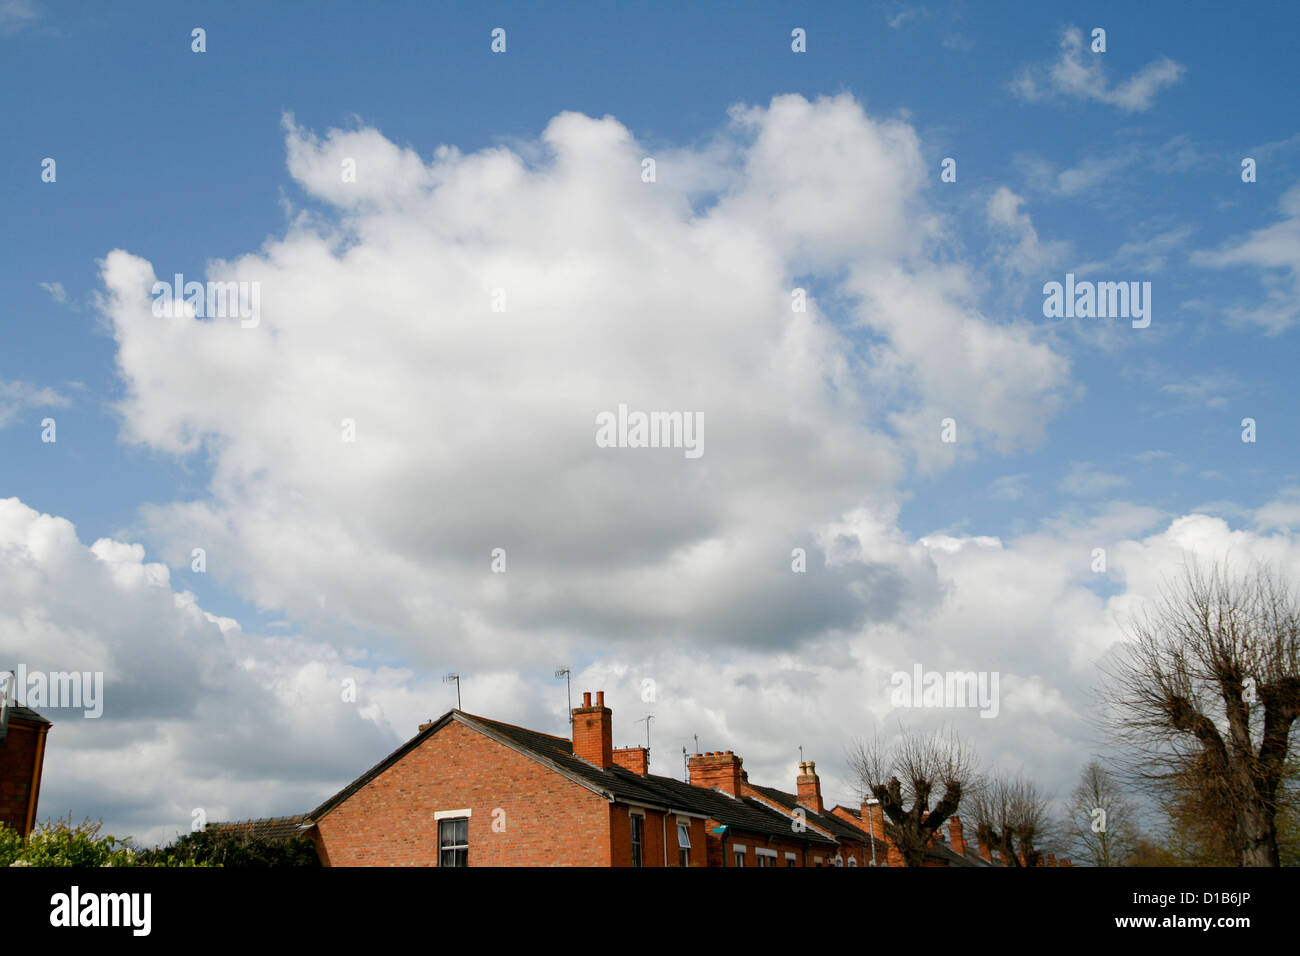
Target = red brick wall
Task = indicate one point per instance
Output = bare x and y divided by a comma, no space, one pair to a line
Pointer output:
660,834
699,841
19,752
548,819
751,841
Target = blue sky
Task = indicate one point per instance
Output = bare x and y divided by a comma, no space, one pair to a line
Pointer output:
1116,166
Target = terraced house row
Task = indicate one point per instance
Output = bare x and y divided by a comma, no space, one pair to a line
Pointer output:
469,791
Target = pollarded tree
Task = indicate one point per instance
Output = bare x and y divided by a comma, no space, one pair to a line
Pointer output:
903,776
1011,817
1204,695
1102,822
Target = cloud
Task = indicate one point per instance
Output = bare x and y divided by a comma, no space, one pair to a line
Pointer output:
1079,74
1022,252
16,15
1275,249
1009,487
1085,480
1143,255
203,714
898,14
1283,512
210,716
479,424
1204,390
56,291
17,397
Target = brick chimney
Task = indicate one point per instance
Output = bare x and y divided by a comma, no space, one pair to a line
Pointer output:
593,731
873,817
717,769
956,837
636,759
810,787
426,725
1051,859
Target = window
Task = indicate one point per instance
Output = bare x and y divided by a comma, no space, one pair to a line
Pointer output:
740,858
839,860
638,835
853,861
789,859
683,845
766,857
453,842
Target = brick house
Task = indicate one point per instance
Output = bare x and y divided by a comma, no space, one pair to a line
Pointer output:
22,757
470,791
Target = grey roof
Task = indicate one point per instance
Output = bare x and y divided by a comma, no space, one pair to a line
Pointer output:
616,783
827,821
26,713
268,827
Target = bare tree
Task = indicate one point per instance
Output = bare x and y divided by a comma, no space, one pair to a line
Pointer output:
1204,696
1011,817
903,775
1102,822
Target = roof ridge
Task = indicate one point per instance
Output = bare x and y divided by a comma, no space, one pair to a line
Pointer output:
502,723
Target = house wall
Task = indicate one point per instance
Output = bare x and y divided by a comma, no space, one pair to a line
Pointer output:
751,841
22,749
548,820
660,833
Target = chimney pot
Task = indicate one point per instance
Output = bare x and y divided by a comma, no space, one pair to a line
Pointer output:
600,698
586,699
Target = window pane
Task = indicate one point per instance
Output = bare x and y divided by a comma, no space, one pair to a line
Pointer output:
683,836
637,825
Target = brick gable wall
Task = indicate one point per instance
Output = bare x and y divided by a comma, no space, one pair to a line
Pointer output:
549,820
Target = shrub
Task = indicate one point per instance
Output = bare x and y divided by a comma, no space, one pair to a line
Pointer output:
59,843
232,848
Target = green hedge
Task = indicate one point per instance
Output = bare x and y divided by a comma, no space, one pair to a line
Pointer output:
227,848
60,843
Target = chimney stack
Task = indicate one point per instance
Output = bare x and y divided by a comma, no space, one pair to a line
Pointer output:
593,731
873,817
636,759
810,787
717,769
956,836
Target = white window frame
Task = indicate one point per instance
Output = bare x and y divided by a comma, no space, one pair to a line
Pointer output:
683,849
790,858
450,816
638,846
